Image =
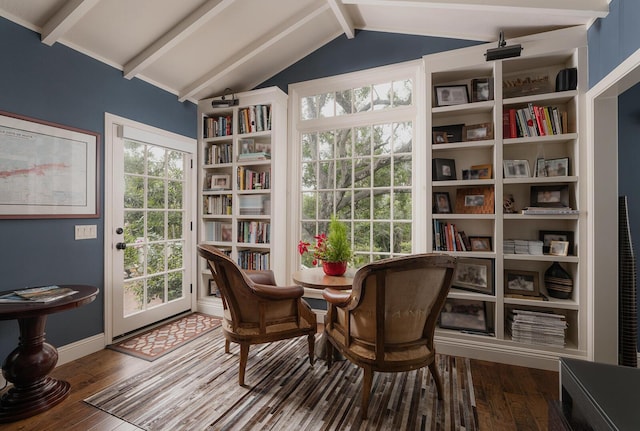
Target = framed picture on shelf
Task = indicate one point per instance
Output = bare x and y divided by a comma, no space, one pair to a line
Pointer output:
220,182
557,167
447,95
464,315
480,243
441,203
213,288
475,275
481,172
247,146
541,168
547,236
518,282
443,169
226,232
516,168
452,131
478,132
262,147
550,196
475,200
559,248
440,137
481,89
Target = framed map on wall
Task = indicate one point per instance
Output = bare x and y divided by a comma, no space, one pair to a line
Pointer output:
47,170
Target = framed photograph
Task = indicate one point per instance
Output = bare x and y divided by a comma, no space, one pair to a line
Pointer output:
477,132
550,196
516,168
480,243
559,248
474,274
481,172
262,147
481,89
226,232
452,131
541,168
448,95
213,288
247,146
521,282
475,200
441,203
440,137
221,182
48,170
547,236
464,315
557,167
443,169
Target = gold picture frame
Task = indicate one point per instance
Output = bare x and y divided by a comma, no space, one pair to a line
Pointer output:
475,200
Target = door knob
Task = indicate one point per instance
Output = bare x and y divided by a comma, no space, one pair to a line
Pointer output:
121,245
119,231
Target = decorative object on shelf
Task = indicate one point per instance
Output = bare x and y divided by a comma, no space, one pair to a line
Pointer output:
628,314
516,168
509,204
503,51
481,89
556,167
480,243
475,275
567,79
441,203
225,101
465,315
477,132
447,95
452,131
440,137
558,282
475,200
523,283
550,196
443,169
332,248
558,248
526,83
546,236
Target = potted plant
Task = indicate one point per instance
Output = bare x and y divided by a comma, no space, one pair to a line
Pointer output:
333,250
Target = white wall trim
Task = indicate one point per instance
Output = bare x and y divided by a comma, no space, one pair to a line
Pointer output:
81,348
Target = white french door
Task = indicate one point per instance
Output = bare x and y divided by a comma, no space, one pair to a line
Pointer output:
148,224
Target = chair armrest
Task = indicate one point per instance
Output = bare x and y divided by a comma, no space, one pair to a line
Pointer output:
339,298
277,292
264,276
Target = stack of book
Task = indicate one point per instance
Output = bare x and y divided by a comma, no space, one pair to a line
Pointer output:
522,246
549,210
260,155
537,327
37,294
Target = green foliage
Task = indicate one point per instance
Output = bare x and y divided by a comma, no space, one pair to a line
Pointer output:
338,244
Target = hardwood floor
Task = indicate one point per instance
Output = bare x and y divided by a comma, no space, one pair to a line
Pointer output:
507,397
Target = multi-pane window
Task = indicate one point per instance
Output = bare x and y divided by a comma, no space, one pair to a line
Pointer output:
362,172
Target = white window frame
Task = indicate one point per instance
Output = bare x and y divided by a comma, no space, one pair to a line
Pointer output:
415,113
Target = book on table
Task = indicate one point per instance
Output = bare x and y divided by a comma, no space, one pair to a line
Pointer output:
37,294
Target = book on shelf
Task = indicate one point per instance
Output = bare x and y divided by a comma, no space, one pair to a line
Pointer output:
549,211
261,155
37,294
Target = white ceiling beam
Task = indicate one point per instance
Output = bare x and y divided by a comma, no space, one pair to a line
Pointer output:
177,34
343,17
580,8
251,51
64,19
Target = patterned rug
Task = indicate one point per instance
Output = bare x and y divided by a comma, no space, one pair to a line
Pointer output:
196,388
157,342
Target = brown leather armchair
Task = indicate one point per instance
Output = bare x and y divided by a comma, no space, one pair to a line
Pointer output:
386,323
257,311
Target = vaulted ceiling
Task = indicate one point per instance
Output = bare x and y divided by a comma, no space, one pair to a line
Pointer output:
197,48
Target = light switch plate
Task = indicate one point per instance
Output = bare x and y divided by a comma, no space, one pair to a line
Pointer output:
86,231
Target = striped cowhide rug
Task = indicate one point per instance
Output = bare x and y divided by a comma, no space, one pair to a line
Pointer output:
196,388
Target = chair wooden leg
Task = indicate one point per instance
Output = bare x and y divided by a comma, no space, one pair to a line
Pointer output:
244,355
436,377
367,380
226,346
312,344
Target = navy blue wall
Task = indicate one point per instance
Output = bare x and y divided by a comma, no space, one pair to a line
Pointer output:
60,85
612,39
368,49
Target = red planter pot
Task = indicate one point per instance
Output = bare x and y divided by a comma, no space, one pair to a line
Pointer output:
334,268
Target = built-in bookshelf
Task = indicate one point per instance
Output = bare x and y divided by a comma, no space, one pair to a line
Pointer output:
242,205
507,172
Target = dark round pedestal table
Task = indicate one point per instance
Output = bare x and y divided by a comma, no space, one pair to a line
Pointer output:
28,366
